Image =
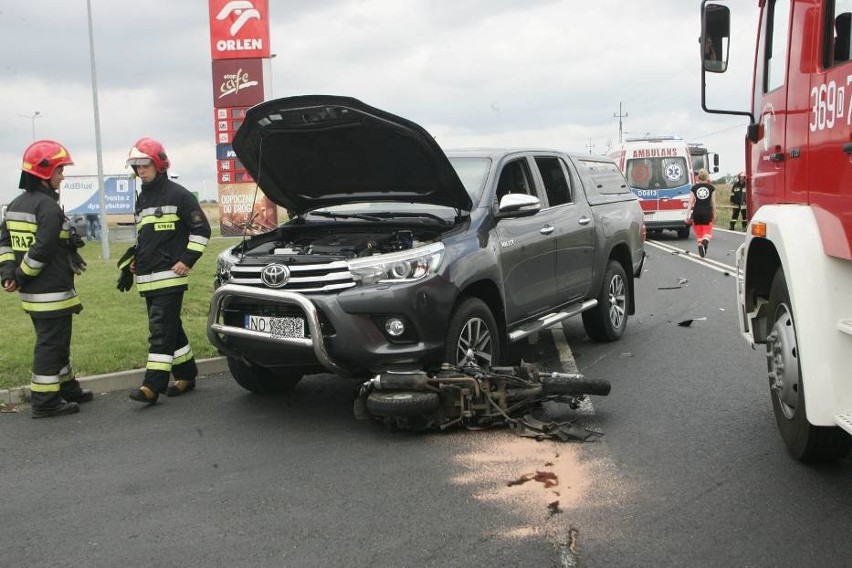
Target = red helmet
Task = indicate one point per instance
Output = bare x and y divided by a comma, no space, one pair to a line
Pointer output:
41,158
148,149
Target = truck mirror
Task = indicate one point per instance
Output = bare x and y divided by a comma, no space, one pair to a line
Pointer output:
715,37
518,205
754,133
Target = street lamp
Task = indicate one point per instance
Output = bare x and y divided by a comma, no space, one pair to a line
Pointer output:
32,117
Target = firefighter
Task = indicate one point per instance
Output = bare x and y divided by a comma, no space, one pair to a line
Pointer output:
38,258
738,202
171,235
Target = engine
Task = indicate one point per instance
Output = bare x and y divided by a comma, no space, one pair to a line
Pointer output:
347,245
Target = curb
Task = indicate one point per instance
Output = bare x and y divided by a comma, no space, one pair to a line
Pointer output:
114,381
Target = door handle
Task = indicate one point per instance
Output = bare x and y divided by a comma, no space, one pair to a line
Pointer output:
547,229
776,157
584,220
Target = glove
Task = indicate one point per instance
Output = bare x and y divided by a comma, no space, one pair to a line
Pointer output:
125,279
78,265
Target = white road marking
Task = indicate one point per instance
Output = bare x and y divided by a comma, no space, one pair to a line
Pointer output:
687,255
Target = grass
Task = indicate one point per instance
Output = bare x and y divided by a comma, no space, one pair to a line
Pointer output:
111,333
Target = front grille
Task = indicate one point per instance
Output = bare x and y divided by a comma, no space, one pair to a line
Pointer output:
316,278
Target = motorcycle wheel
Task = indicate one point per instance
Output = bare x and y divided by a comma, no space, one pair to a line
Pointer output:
402,403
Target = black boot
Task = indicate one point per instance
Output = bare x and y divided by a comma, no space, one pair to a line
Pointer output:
733,225
72,392
144,394
180,386
59,410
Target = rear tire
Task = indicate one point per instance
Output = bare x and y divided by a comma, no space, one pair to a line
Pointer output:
608,320
574,387
261,380
683,233
389,404
805,442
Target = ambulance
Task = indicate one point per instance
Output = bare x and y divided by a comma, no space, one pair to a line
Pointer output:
659,172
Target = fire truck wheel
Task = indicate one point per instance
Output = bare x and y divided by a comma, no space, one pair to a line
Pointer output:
261,380
473,326
608,320
683,233
402,403
805,442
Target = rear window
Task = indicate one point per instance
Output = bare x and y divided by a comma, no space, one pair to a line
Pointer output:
606,176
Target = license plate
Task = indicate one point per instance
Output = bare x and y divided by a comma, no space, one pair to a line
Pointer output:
276,327
649,213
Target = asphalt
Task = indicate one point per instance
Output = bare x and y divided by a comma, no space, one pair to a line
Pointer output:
114,381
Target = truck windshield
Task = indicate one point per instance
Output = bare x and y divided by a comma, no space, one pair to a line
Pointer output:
657,173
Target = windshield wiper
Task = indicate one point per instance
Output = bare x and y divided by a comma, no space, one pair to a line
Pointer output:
332,215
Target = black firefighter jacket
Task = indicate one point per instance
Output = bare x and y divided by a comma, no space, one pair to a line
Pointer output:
170,227
35,251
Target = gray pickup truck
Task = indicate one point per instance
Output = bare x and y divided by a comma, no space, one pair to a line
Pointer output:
398,255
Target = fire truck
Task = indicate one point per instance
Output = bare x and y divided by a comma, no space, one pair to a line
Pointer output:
794,287
659,172
701,158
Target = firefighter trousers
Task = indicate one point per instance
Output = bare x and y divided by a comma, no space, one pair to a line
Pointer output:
52,378
169,351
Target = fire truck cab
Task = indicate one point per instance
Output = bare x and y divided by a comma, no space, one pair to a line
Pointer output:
659,172
794,287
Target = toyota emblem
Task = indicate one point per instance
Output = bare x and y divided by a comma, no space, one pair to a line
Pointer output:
275,275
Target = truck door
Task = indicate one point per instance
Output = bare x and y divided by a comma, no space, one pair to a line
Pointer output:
829,127
527,247
575,228
769,153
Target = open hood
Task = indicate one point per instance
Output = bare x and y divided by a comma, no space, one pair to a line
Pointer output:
313,151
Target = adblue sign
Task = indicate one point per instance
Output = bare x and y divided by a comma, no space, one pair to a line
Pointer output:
239,28
79,195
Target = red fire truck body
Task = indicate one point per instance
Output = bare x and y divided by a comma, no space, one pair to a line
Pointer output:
794,287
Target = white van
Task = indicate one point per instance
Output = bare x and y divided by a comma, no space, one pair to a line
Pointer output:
659,171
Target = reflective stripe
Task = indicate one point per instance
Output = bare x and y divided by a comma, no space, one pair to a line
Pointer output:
6,250
159,362
66,374
12,216
152,212
196,247
49,302
151,219
198,239
64,234
44,379
7,256
36,265
44,383
36,387
30,266
183,355
160,280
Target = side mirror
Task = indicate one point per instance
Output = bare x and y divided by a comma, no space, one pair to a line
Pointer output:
518,205
715,38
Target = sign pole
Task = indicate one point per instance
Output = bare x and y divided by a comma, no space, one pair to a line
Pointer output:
101,188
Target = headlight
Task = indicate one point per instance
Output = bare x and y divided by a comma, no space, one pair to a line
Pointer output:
224,262
404,266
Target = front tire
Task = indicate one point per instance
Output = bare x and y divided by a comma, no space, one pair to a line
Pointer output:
473,327
260,379
608,320
805,442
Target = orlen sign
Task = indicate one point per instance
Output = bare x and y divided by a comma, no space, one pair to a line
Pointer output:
239,28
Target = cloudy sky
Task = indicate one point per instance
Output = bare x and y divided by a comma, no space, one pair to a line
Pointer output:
548,73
